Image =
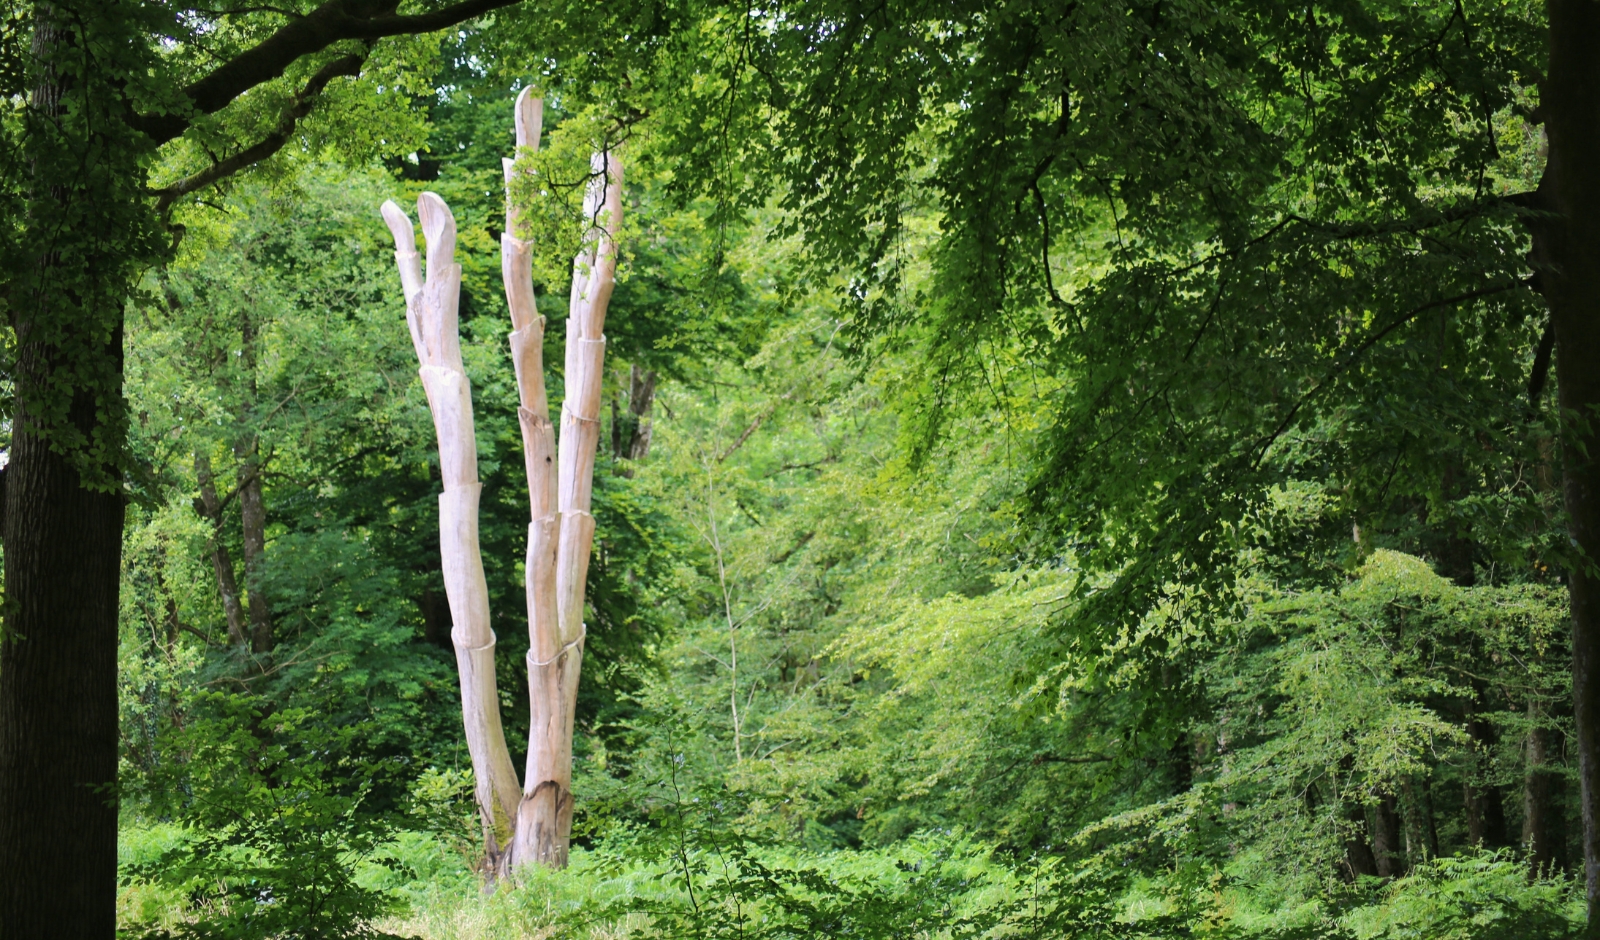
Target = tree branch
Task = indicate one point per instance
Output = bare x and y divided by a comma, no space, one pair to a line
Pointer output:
349,65
334,21
1261,446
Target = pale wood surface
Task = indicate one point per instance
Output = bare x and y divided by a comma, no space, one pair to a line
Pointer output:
431,312
531,823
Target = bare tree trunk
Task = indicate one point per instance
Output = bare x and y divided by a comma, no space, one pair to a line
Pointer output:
535,824
1566,253
210,507
431,307
560,481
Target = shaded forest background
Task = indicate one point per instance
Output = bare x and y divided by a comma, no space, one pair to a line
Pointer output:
866,657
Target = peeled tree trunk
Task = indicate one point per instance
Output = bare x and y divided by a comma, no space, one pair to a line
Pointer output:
533,822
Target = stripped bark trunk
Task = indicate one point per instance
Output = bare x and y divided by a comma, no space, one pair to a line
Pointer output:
560,481
210,507
532,823
431,309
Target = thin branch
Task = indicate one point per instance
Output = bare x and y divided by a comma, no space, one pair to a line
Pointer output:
1322,384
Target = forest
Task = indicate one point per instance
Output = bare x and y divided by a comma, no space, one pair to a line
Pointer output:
800,469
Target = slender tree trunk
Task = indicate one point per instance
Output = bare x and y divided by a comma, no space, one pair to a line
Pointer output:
1414,814
253,516
641,399
1567,255
210,506
560,486
431,315
252,508
1539,825
1431,817
1486,815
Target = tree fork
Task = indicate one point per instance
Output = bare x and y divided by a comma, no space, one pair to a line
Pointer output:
531,823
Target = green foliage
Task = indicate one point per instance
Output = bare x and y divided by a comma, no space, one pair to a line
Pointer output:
275,820
1093,492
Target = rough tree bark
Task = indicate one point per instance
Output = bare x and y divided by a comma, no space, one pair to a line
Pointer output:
1566,254
64,511
533,823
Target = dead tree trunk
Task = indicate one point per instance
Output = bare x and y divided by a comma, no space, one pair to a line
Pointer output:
431,307
532,823
560,482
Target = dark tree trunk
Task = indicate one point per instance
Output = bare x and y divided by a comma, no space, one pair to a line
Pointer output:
58,693
1566,252
210,506
253,513
435,618
1486,814
630,431
1358,858
1539,824
641,399
1386,850
64,504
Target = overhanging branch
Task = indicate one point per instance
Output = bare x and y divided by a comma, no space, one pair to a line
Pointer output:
332,22
349,65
